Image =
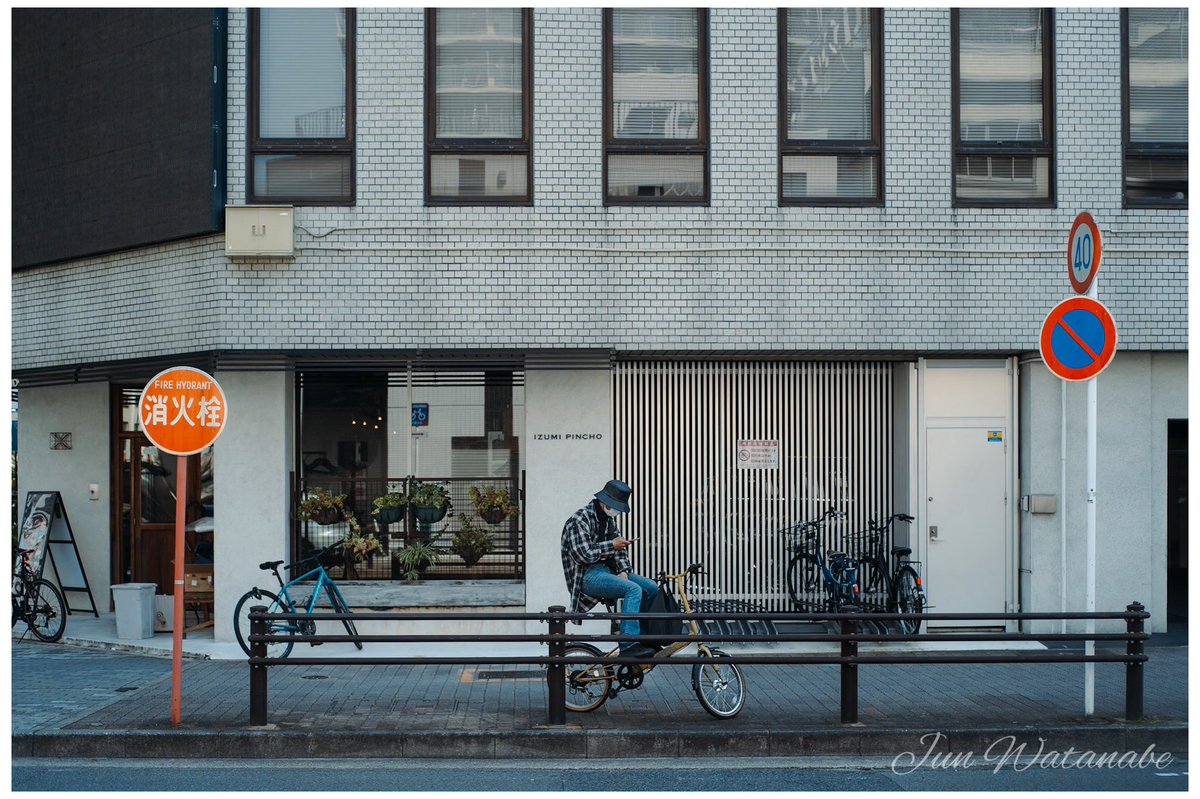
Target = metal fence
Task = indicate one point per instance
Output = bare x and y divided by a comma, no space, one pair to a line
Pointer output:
505,561
848,621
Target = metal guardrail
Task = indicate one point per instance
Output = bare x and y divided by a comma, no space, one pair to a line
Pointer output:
556,640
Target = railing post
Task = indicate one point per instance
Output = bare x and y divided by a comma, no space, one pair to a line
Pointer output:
556,674
258,671
1135,674
849,670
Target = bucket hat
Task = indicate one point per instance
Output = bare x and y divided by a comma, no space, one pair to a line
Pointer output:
615,495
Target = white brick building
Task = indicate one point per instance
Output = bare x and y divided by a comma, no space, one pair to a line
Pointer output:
939,301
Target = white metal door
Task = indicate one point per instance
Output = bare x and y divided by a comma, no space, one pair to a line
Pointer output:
965,516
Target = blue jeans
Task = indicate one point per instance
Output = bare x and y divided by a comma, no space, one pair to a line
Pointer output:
599,582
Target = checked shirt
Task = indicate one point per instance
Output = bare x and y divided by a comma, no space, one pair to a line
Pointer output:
587,540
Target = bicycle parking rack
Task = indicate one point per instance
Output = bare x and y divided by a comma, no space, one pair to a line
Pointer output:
556,640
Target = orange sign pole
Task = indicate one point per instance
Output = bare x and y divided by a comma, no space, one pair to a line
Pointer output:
183,411
177,626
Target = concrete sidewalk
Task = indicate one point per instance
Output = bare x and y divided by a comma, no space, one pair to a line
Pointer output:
74,701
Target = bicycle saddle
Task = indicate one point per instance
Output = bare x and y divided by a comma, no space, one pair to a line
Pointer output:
901,551
271,564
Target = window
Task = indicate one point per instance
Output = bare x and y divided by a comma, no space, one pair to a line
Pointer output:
1155,108
831,110
478,119
656,106
301,106
1002,71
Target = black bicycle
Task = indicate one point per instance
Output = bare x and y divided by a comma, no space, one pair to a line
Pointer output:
890,583
816,579
37,602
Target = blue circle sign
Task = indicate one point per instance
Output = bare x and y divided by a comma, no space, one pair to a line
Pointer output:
1079,338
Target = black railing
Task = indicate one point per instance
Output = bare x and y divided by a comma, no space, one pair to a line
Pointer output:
505,560
556,639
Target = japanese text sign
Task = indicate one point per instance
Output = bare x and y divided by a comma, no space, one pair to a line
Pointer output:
183,410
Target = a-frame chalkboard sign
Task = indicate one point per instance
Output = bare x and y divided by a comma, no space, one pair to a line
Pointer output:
46,529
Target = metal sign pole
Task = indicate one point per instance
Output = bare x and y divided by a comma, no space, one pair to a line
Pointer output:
1089,669
181,464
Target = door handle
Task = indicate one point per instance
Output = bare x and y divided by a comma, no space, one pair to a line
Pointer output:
933,533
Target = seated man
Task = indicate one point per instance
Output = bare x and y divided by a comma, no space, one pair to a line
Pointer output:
596,562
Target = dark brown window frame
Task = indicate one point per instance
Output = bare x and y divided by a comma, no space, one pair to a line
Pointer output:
794,147
1043,149
256,145
1130,149
458,146
697,146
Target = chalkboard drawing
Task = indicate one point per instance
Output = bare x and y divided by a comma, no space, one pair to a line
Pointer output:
39,509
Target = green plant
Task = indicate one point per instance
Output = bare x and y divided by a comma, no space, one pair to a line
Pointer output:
493,499
428,495
317,501
357,546
470,542
389,501
414,559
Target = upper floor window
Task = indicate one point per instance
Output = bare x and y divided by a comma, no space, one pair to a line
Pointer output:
1155,112
478,89
831,109
301,143
1002,75
656,106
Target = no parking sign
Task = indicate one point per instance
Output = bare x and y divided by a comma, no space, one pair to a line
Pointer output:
1079,338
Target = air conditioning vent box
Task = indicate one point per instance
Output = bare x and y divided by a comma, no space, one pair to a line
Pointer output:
259,230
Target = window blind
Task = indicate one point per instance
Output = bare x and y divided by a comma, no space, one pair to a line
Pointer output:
479,73
829,73
1158,78
1000,74
655,74
302,73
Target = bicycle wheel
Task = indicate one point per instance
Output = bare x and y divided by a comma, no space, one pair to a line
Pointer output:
241,621
47,611
719,686
909,598
588,684
339,606
803,579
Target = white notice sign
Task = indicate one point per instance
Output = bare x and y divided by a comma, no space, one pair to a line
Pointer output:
753,454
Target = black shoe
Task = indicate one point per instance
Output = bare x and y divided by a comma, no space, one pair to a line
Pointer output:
635,651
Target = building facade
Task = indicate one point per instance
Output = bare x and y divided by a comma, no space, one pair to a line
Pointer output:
538,249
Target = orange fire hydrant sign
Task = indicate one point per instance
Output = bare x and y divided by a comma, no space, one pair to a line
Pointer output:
183,410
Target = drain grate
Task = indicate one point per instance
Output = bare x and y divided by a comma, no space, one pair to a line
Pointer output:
125,689
315,677
511,674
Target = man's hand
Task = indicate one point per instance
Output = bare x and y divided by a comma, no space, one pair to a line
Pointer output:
620,543
623,575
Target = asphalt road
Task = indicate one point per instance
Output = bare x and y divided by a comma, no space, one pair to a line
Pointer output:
710,774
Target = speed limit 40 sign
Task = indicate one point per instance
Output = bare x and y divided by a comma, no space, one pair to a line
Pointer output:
1083,252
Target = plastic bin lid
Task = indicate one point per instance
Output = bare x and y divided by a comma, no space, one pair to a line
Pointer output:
135,586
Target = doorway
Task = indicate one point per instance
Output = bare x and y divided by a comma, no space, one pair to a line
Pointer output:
143,530
1177,537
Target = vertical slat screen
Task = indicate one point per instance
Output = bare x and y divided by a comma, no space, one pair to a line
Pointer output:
677,425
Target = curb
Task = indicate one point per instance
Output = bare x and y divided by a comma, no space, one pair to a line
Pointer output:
574,742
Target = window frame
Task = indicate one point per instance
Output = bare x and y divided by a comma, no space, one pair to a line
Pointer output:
1129,148
801,147
461,146
698,146
1046,148
257,145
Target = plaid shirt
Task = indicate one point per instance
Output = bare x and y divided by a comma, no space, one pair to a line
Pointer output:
587,540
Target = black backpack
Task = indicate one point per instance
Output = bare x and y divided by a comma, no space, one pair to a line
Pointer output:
663,602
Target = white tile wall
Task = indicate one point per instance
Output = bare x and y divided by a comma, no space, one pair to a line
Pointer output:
743,274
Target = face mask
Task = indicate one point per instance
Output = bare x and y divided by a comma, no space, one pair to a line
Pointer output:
611,512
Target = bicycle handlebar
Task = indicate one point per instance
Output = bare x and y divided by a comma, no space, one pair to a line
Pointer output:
316,556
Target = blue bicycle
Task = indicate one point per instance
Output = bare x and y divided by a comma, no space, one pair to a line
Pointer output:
283,603
818,580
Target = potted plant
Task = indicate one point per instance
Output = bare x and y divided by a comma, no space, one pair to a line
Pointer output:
470,543
430,501
493,503
414,559
389,508
357,547
324,507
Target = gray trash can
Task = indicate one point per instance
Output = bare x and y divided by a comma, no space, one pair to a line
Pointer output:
135,609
